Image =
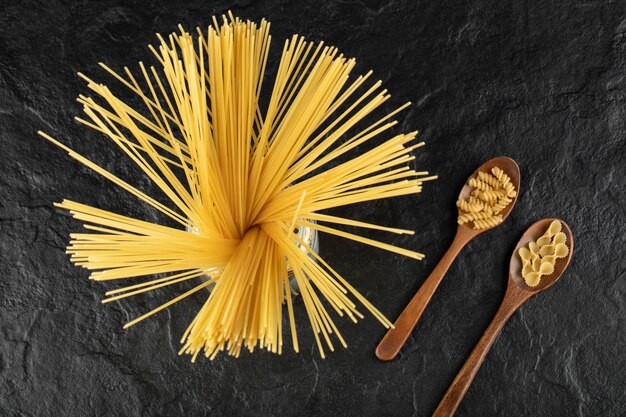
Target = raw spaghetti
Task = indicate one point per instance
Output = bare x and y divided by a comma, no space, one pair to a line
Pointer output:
240,181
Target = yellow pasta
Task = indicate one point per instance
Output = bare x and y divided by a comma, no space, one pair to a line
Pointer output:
553,229
501,176
488,179
468,217
549,258
561,250
488,222
510,189
492,193
240,175
524,254
547,250
490,197
472,207
546,268
501,204
479,185
544,240
498,173
533,278
559,238
540,256
477,202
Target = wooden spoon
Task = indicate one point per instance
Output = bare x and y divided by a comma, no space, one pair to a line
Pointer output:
391,344
517,293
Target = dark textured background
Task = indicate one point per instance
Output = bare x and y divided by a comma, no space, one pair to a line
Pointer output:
543,83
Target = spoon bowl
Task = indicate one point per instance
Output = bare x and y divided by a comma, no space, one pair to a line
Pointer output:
533,233
511,169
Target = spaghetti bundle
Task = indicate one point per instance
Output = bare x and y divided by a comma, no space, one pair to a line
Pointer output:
241,181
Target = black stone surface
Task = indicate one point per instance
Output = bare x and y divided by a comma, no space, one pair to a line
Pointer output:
541,82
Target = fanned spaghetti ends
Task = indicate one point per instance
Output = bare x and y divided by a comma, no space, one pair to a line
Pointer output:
241,178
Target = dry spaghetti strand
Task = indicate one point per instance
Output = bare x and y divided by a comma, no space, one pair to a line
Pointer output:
240,181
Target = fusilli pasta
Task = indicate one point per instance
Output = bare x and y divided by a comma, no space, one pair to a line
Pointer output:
492,193
488,222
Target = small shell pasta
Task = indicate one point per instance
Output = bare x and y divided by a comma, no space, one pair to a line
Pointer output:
534,248
555,227
539,257
546,268
549,258
561,250
544,240
532,279
524,254
547,250
559,238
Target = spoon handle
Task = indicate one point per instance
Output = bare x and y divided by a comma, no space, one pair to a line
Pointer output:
450,402
391,344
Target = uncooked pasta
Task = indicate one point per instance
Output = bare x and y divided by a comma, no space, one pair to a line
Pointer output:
539,257
491,193
240,178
